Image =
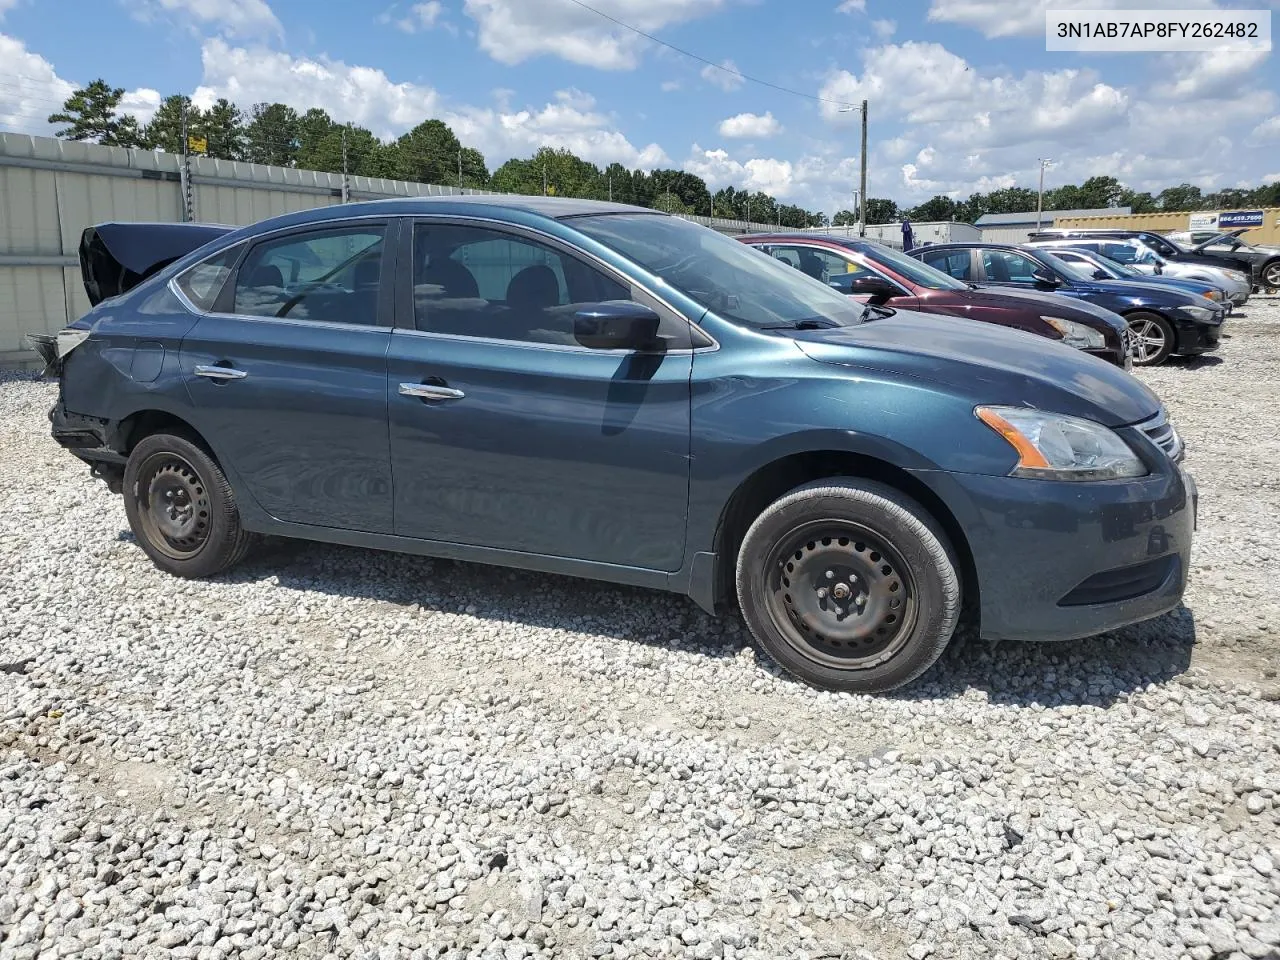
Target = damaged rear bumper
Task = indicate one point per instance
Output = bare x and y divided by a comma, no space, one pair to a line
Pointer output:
90,439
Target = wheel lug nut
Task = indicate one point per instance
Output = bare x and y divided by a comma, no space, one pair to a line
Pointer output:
822,593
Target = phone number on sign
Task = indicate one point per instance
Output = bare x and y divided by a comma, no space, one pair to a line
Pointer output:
1172,30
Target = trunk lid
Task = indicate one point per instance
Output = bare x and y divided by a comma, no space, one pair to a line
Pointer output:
115,257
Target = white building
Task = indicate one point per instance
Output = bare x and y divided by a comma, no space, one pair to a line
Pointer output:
1018,227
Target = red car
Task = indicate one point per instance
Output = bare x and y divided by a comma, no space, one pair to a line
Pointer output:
874,273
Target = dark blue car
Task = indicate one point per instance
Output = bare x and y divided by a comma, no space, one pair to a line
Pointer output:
610,392
1162,322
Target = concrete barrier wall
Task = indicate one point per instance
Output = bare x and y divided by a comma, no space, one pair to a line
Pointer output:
50,190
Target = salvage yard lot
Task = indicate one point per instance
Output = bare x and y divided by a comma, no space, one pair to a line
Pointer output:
342,752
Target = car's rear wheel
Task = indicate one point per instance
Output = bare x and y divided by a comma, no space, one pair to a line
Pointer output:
849,585
1152,337
1271,274
181,508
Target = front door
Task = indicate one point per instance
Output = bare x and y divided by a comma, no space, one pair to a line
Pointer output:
288,375
505,432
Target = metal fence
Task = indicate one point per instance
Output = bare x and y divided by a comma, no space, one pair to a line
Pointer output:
50,190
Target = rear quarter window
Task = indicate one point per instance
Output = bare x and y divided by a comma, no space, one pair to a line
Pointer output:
202,283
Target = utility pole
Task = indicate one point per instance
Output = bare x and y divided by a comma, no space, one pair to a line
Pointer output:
1044,162
862,186
611,188
346,185
188,201
459,169
748,209
544,178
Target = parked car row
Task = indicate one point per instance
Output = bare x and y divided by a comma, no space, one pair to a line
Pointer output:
610,392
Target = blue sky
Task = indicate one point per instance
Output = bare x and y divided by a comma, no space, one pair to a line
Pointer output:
963,95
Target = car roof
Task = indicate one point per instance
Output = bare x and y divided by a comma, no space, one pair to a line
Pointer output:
488,205
824,238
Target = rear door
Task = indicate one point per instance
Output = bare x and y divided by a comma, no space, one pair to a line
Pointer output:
505,432
289,372
954,263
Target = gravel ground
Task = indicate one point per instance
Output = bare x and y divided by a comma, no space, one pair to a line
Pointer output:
343,753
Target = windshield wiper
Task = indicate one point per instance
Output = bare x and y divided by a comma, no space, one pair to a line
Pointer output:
812,323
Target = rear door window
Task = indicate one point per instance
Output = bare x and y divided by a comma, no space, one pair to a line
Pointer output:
955,263
1005,266
330,275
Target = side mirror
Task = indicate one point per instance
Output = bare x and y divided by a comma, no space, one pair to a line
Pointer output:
1101,275
1044,278
617,325
878,289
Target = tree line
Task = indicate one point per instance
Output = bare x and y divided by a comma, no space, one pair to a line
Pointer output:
277,134
1094,194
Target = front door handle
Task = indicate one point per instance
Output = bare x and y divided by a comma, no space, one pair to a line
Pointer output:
220,373
430,391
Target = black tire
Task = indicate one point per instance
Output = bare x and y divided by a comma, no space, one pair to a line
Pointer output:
1270,274
1153,338
181,508
877,547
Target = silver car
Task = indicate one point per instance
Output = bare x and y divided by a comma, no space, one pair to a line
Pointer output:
1134,253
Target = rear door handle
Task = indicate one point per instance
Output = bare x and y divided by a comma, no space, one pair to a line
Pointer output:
220,373
430,391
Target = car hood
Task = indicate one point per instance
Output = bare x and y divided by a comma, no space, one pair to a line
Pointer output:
1144,288
1052,304
990,364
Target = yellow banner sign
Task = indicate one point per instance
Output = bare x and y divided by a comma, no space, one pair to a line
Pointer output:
197,144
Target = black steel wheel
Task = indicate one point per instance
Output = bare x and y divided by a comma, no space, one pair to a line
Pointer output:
181,507
850,585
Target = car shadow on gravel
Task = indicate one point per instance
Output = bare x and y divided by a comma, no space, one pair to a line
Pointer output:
1199,362
1094,671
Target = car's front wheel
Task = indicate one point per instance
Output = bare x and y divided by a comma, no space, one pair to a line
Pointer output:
1271,275
181,507
849,585
1152,337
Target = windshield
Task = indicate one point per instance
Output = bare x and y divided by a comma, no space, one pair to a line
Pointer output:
914,270
730,278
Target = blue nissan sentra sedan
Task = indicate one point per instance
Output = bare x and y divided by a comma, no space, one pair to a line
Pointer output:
606,391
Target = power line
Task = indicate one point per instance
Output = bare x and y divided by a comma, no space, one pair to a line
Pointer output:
710,63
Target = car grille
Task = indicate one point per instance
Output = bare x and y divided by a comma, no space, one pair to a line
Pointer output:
1162,433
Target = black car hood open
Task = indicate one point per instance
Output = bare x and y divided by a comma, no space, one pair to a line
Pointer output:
991,364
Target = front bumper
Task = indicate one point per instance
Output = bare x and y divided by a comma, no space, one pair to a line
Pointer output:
1196,338
1060,560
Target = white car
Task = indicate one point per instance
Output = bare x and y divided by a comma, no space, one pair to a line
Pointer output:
1134,253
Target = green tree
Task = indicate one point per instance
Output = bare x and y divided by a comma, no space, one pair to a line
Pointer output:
223,126
429,153
880,210
272,135
1099,192
90,113
845,218
1010,200
164,132
934,210
1182,197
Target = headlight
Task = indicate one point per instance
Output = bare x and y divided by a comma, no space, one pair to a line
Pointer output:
1076,334
1213,294
1204,314
1053,446
1237,275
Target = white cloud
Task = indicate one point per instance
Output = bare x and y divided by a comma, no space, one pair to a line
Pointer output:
243,17
884,29
6,5
726,76
1208,74
670,86
512,31
31,90
1268,129
852,6
1009,18
366,96
420,17
823,181
750,125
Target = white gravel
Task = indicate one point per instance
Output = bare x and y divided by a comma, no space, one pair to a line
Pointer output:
335,752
